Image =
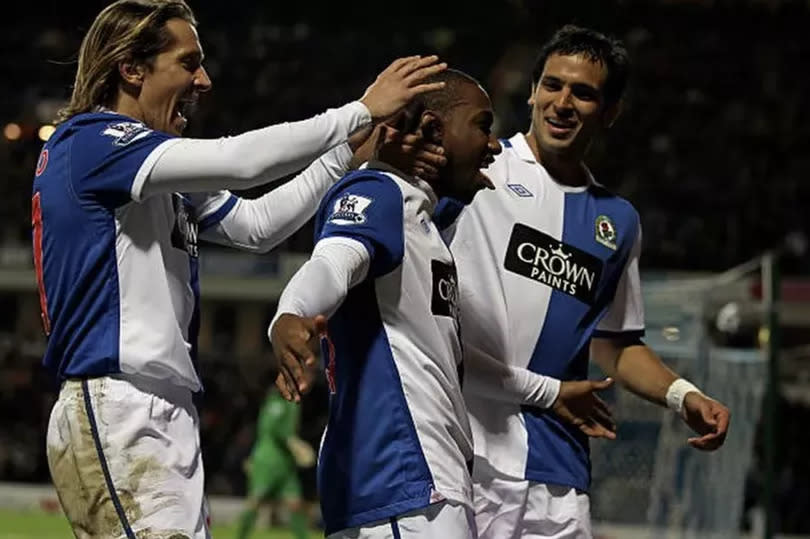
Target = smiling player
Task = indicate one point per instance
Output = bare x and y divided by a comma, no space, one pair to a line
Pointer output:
395,456
119,203
548,267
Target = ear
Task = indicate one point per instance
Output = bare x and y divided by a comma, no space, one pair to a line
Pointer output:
612,114
131,72
431,127
531,95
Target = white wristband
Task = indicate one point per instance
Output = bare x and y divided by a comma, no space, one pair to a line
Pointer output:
548,393
677,393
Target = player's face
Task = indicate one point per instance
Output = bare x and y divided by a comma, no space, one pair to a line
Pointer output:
172,85
469,144
568,106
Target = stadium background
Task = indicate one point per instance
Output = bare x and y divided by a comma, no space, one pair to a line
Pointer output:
711,148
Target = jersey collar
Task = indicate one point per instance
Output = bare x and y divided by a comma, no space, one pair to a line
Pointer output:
420,184
524,152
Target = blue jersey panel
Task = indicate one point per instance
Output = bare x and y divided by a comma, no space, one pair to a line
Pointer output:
106,152
371,464
447,212
366,206
87,171
558,452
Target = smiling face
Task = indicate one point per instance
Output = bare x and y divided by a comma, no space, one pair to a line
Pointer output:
568,105
169,85
466,135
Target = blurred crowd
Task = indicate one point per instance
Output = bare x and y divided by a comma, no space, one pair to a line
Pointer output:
710,147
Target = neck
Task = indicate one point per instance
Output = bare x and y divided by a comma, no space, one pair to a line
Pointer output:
128,106
565,169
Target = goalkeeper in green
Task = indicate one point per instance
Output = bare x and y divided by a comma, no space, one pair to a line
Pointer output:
272,467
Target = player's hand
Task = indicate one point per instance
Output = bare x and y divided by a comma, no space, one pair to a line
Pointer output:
579,405
399,83
296,345
410,153
708,418
302,452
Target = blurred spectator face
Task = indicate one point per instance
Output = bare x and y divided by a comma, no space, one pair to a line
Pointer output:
469,143
170,85
568,105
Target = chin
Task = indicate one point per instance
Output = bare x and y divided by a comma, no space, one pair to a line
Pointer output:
557,146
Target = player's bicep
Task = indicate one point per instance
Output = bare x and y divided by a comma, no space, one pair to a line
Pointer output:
370,211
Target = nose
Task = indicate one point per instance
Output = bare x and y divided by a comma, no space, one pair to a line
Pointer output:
493,145
202,82
563,101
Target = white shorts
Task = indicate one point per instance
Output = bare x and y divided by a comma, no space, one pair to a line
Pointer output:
125,459
443,520
512,508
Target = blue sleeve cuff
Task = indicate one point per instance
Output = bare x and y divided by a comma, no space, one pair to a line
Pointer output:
218,215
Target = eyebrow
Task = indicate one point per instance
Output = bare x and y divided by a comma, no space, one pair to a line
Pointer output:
575,85
192,54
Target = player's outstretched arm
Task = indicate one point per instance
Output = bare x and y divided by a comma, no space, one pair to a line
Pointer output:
264,155
575,402
261,224
493,379
313,294
639,369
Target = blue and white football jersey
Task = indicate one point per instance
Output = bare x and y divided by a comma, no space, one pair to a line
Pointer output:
543,268
117,275
398,436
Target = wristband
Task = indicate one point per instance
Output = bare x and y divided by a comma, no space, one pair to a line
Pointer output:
677,393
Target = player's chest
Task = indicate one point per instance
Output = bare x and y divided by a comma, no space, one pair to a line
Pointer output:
429,267
174,219
571,243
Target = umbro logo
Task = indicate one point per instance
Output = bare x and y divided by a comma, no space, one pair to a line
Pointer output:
520,190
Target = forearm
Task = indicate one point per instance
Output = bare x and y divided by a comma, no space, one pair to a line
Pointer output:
322,283
261,224
252,158
636,367
492,379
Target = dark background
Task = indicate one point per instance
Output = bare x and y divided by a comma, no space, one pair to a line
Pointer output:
712,148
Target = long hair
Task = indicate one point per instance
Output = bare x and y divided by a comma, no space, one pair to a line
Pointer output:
132,30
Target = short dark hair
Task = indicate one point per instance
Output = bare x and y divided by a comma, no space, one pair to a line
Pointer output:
573,40
439,101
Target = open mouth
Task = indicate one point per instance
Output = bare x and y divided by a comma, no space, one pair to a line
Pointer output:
560,127
481,178
184,109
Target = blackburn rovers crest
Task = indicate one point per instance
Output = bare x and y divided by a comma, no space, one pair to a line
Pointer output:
606,232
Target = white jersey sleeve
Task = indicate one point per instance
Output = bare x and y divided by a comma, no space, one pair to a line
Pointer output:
246,160
261,224
493,379
626,313
321,284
